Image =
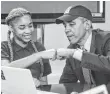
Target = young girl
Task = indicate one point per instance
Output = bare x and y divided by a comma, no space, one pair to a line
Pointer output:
21,50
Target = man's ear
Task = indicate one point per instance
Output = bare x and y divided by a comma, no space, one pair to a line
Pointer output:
87,24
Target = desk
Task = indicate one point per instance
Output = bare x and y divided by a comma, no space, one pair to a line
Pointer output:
68,88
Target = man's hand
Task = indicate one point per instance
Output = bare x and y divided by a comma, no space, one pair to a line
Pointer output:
64,53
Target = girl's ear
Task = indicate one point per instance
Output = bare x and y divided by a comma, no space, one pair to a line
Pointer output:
10,28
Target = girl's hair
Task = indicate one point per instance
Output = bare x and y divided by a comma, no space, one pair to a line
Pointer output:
18,12
10,47
41,62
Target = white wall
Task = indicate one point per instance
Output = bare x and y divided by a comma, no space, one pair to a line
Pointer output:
4,29
55,38
106,25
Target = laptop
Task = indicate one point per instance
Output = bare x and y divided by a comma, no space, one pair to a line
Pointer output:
96,90
18,81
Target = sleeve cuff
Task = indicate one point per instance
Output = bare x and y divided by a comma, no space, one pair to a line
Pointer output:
78,54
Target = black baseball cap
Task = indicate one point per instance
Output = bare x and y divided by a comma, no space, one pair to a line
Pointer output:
72,13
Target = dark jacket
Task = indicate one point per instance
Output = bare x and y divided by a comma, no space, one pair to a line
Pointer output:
99,63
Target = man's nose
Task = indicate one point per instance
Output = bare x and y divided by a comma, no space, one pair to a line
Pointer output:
67,28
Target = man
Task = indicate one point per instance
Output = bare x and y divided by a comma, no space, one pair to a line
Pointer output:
88,55
21,51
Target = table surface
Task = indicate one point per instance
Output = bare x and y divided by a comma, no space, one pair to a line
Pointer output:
68,88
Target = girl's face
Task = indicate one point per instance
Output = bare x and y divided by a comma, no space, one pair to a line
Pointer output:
22,28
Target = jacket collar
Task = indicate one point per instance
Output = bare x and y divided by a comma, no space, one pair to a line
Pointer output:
93,48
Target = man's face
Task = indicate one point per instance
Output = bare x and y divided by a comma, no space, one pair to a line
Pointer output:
23,28
75,30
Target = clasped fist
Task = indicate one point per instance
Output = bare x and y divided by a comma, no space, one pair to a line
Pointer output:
61,53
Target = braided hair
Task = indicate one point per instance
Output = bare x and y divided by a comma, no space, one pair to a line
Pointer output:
18,12
41,62
10,47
